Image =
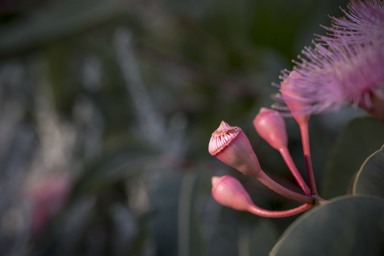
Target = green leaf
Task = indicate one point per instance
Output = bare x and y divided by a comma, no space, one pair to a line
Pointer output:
163,224
370,178
361,137
257,239
350,225
109,168
190,239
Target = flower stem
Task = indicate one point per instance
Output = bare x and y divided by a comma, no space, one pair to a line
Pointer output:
278,214
321,201
270,183
291,165
307,155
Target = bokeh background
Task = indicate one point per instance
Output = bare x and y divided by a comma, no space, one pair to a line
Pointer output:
106,110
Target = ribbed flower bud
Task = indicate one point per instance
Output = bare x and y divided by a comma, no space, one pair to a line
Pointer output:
297,105
231,146
271,127
229,192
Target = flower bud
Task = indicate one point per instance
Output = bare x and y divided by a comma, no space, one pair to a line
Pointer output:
229,192
231,146
271,127
294,100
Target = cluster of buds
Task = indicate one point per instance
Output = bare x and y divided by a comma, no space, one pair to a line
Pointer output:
231,146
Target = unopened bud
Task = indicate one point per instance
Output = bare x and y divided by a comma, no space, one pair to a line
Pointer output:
231,146
229,192
271,127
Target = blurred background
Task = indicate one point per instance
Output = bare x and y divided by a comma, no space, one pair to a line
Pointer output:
106,110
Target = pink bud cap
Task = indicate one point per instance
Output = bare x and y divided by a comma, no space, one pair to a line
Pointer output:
231,146
229,192
271,127
294,100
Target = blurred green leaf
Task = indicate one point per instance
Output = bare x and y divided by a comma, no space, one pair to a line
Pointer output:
224,240
190,236
370,178
257,239
345,226
163,221
55,23
361,137
104,171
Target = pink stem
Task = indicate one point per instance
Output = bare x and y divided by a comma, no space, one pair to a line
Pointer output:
291,165
267,181
307,155
278,214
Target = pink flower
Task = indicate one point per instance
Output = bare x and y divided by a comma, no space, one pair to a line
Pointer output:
346,68
363,24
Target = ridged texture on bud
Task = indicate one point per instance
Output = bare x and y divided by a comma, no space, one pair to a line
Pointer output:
229,192
271,127
299,107
231,146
